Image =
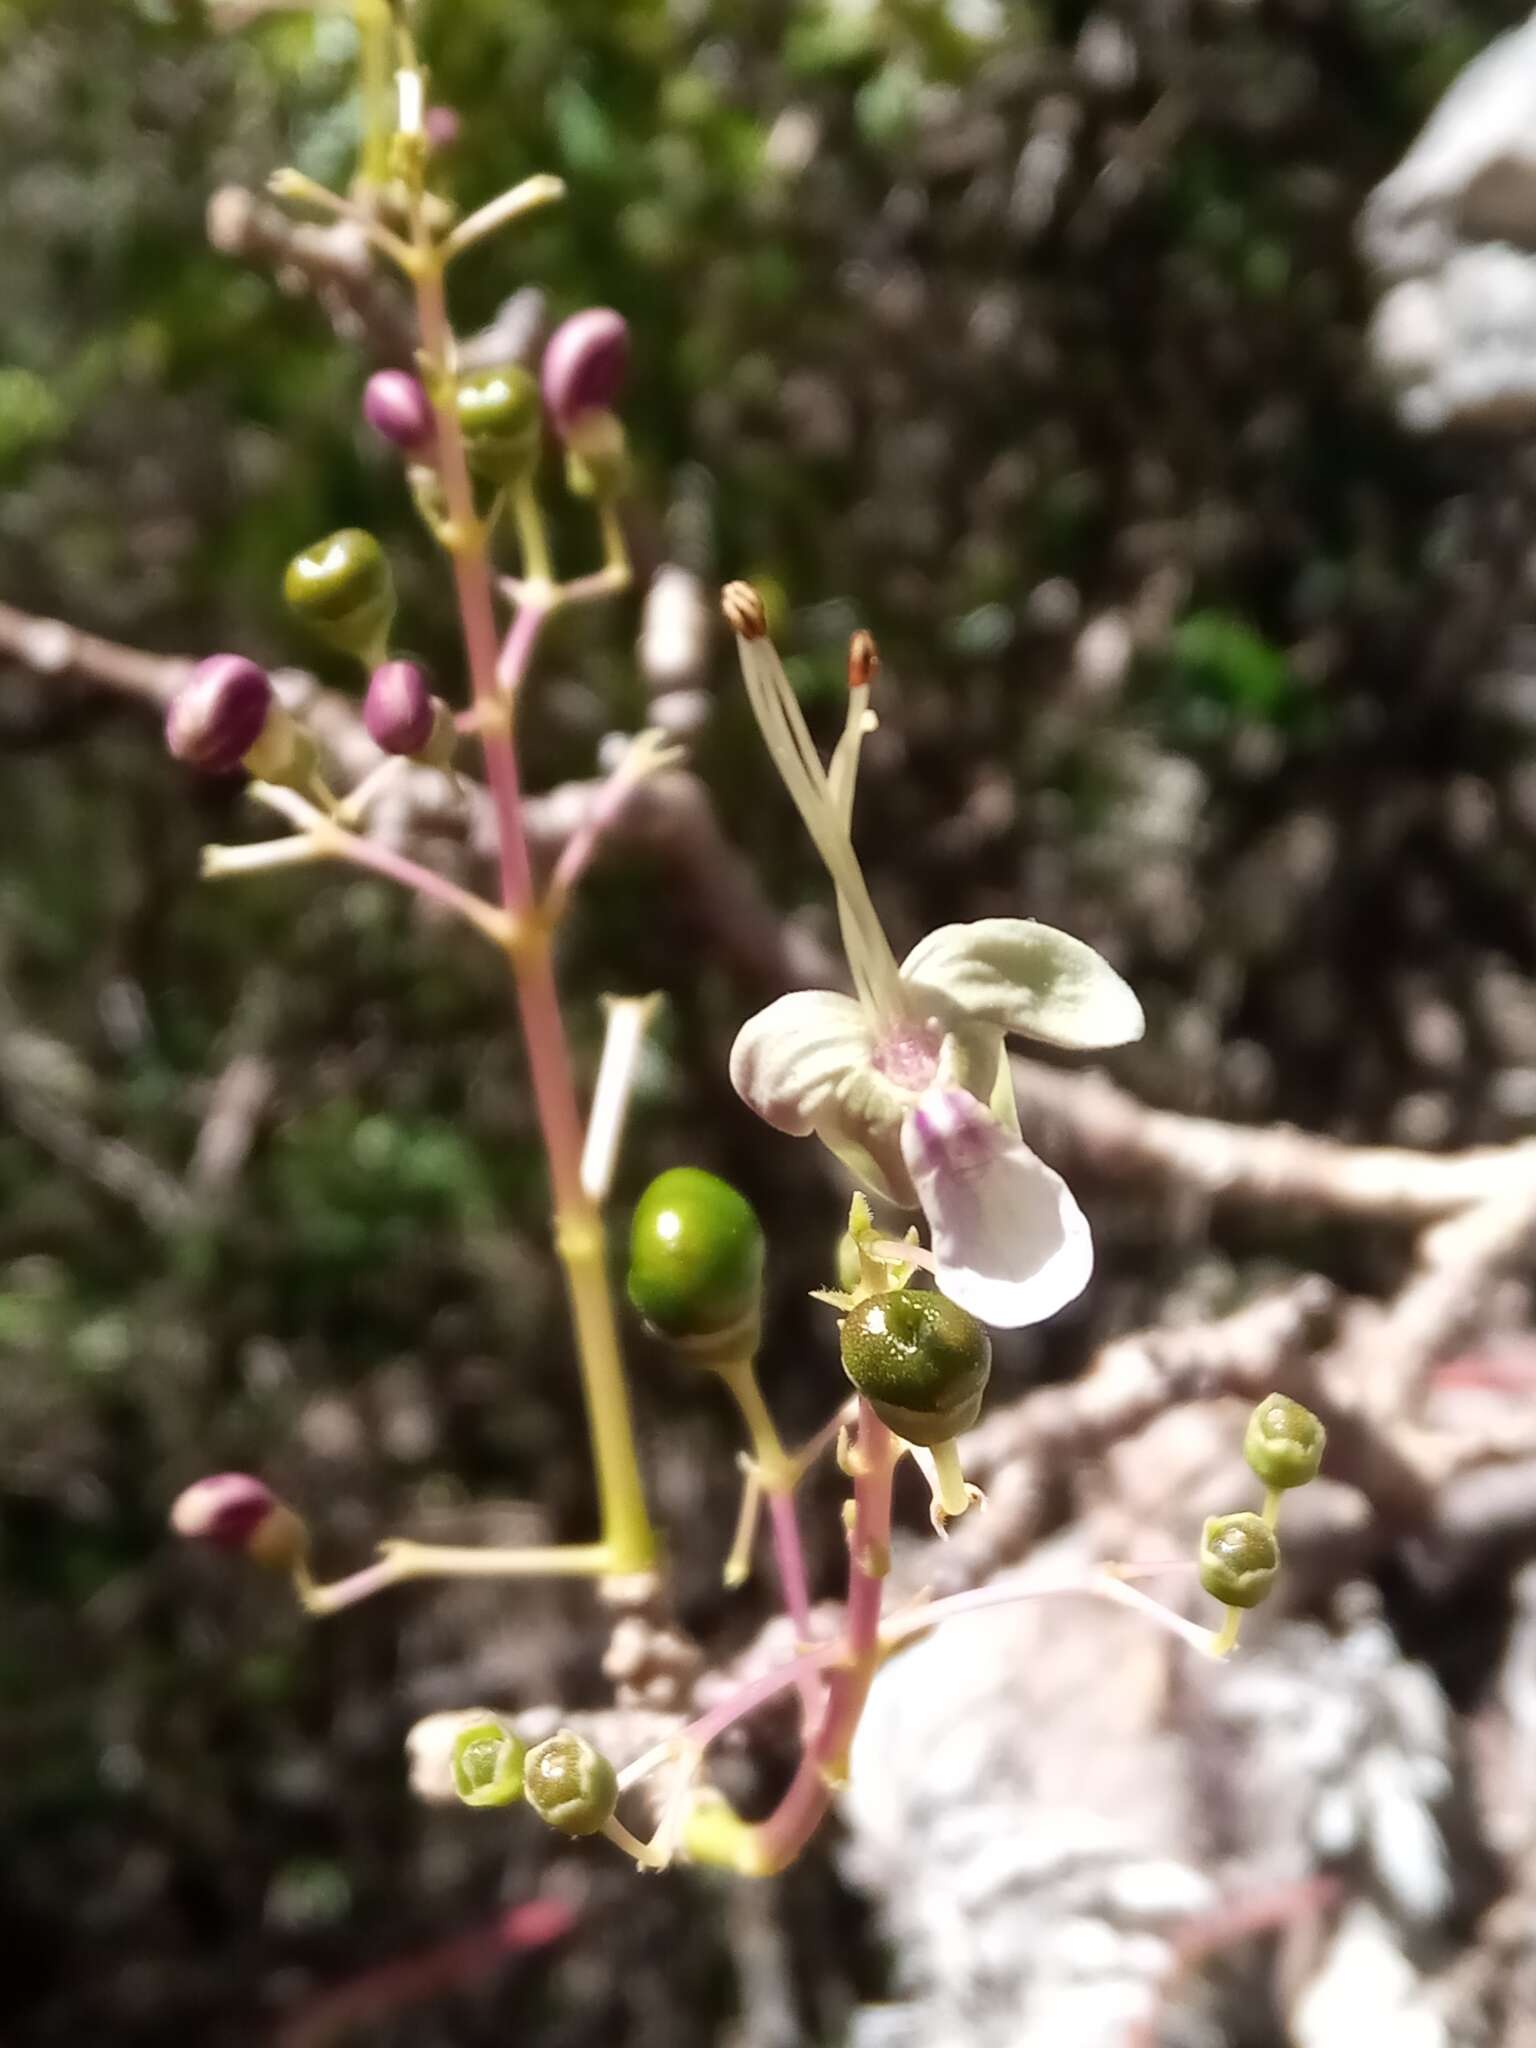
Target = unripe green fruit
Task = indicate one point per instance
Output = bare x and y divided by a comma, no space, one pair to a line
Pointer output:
696,1258
1284,1442
1239,1559
501,421
569,1784
344,591
488,1764
920,1361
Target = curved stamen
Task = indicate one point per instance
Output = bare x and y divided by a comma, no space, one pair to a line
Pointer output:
778,713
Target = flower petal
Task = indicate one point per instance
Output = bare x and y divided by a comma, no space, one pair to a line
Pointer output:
789,1059
1011,1244
1025,977
862,1128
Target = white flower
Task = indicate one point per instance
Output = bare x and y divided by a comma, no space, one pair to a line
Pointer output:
908,1081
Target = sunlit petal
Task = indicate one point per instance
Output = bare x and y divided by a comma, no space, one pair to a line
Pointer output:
789,1059
1011,1244
1025,977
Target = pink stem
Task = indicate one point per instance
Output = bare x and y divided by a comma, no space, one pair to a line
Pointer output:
578,1228
426,1973
358,1585
746,1699
543,1028
517,649
425,881
824,1762
789,1556
790,1559
917,1621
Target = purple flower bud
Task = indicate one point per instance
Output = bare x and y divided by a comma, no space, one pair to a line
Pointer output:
442,126
584,365
234,1511
217,716
398,710
397,408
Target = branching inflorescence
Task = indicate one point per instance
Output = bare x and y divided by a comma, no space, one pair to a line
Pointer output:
907,1082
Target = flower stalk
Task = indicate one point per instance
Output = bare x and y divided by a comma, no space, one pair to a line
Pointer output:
628,1539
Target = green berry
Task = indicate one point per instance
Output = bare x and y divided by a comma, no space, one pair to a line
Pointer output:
488,1765
696,1258
343,590
919,1360
1284,1442
500,419
1239,1559
568,1784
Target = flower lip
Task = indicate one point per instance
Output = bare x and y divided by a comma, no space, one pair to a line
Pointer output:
1010,1244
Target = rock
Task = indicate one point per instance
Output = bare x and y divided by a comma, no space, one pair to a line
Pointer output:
1060,1812
1451,235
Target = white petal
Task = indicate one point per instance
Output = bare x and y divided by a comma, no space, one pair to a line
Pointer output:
789,1059
1025,977
1011,1244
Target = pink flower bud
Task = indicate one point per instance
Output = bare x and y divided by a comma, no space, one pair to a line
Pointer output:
584,365
234,1511
442,126
397,408
398,710
217,716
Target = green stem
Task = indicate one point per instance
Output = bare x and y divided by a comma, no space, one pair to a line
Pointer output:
374,38
532,540
953,1494
775,1467
1224,1642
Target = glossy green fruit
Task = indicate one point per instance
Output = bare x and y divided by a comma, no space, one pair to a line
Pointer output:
696,1258
501,421
1239,1559
569,1784
488,1764
343,590
921,1362
1284,1442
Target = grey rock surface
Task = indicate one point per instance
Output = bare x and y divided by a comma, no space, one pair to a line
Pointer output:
1062,1814
1451,237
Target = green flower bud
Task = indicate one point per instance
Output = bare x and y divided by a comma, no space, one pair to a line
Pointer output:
343,589
919,1360
488,1764
1239,1559
696,1260
502,425
569,1785
1284,1442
